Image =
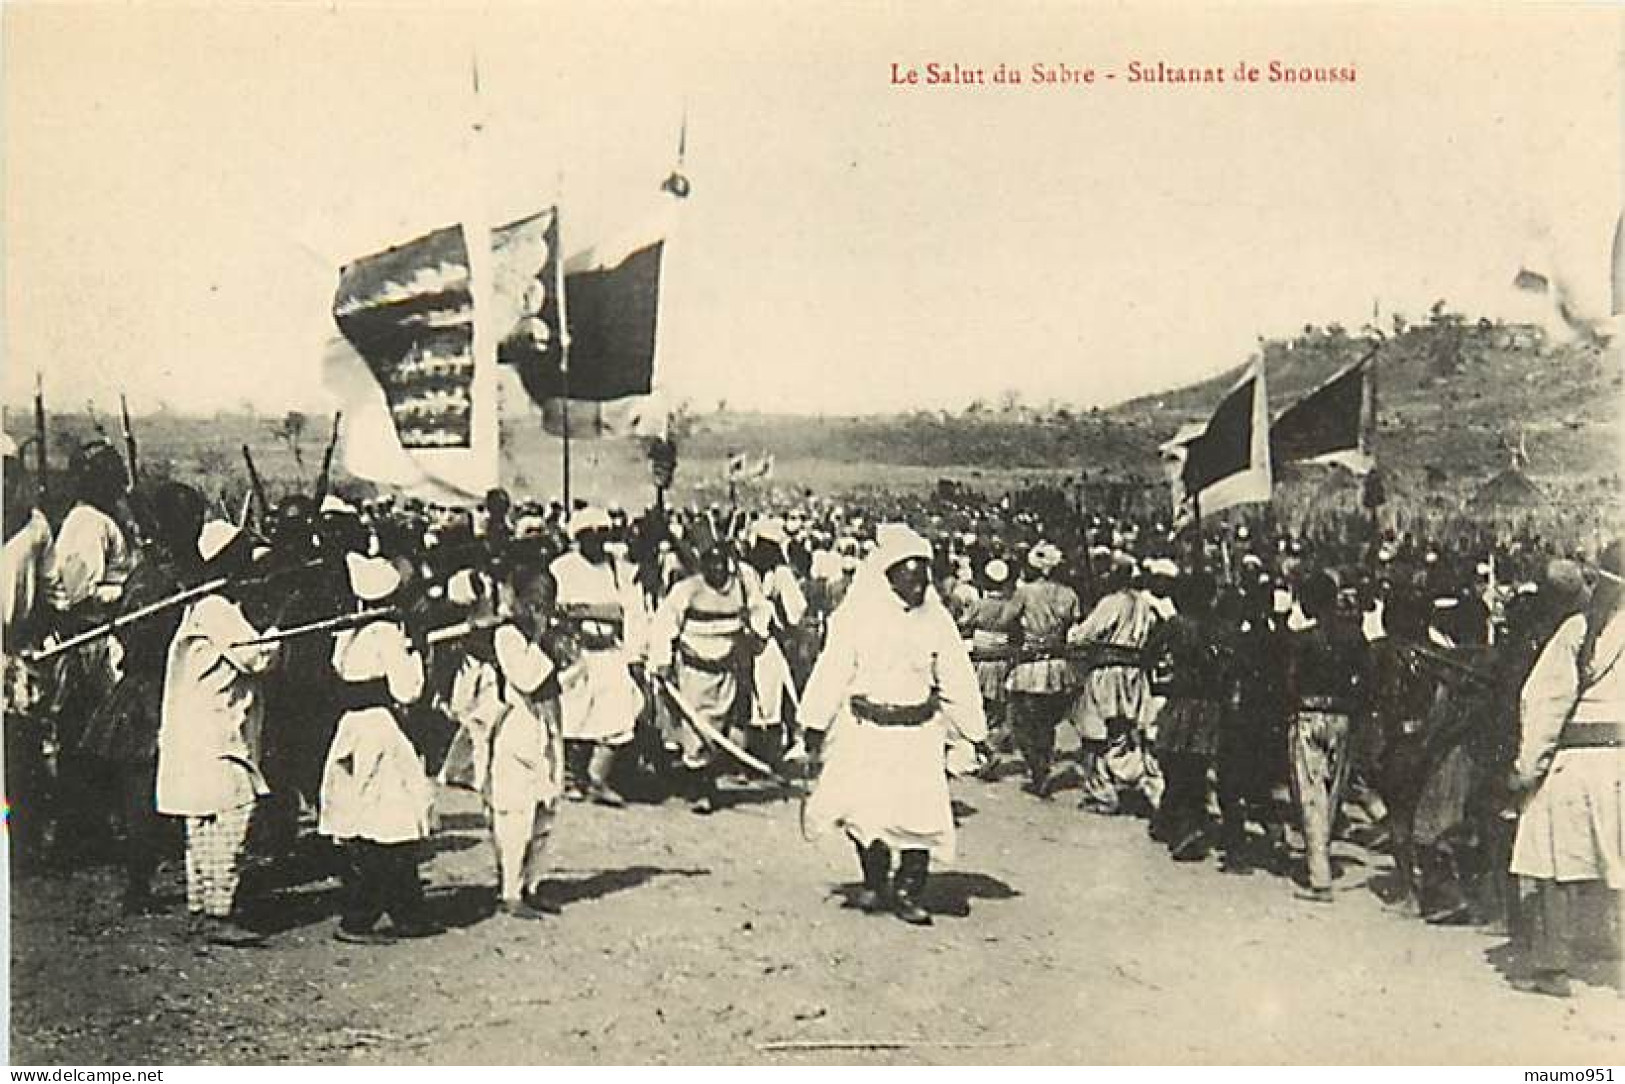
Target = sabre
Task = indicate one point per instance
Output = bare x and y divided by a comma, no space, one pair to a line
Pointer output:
711,733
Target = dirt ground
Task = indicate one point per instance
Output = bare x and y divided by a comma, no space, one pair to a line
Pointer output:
1060,937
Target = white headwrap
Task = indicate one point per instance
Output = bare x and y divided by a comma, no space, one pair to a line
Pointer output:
371,578
590,518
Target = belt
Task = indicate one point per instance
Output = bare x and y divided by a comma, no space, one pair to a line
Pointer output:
1591,736
1332,705
894,714
726,665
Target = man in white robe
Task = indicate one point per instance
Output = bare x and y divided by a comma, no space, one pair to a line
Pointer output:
1571,768
507,700
208,754
375,798
600,598
892,689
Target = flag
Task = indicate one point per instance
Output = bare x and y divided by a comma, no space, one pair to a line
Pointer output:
634,416
764,469
406,369
418,382
1228,462
1328,425
738,464
612,296
1173,453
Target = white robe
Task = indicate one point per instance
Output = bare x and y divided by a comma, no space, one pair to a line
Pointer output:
517,739
373,784
890,782
599,699
209,729
1571,827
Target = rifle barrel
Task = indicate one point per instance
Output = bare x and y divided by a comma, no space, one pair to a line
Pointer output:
124,621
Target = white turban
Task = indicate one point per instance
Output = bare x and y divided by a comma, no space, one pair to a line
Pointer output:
216,535
371,578
590,518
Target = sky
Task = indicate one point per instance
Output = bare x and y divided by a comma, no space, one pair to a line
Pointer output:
182,182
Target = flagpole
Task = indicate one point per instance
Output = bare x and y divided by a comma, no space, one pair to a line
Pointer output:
1371,437
564,339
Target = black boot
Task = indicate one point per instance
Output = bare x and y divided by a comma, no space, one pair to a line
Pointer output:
911,871
705,791
876,862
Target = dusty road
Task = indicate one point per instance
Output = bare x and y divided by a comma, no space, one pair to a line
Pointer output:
1060,937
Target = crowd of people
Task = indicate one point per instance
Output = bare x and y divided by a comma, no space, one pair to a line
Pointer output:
320,666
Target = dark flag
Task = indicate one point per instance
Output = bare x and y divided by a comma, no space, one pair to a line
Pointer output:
1226,461
1329,424
612,316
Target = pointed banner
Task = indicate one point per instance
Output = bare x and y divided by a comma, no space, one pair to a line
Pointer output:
1228,463
1329,424
416,380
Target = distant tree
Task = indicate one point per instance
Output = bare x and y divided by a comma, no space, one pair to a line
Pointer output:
291,431
1009,401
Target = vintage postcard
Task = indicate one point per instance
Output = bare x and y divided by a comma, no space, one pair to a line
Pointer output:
785,533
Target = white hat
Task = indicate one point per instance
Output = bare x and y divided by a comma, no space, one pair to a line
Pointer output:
371,578
1045,556
461,590
591,518
334,505
770,530
996,571
216,535
1161,566
1251,560
898,542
